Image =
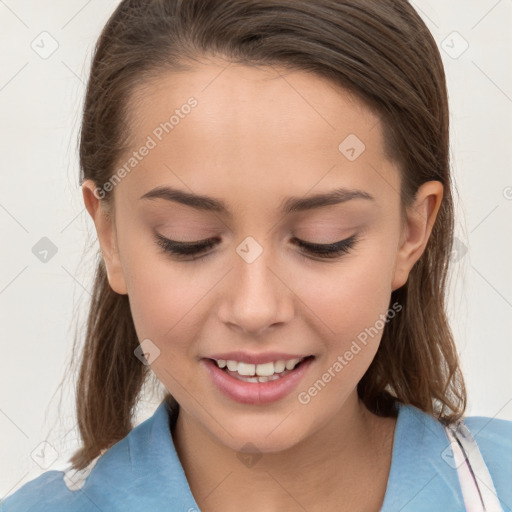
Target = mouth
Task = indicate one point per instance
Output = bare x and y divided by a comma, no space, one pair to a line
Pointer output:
265,372
257,383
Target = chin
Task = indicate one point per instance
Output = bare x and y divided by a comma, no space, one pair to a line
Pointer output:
258,443
261,435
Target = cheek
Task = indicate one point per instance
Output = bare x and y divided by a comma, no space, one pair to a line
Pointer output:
348,306
162,295
351,295
165,305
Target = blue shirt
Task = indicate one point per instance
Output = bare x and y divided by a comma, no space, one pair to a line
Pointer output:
142,472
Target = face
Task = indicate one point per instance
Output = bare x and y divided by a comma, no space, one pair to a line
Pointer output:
279,277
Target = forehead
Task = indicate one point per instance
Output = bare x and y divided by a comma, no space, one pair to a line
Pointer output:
254,128
260,99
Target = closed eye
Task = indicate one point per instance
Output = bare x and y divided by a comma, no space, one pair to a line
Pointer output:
183,249
196,250
328,250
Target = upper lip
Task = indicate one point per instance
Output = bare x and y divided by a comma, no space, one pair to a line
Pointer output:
267,357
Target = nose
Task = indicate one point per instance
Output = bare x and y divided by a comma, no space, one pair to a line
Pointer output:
256,296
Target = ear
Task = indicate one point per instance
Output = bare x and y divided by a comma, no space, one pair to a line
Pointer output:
421,216
106,236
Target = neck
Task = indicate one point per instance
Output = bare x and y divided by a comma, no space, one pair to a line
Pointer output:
347,459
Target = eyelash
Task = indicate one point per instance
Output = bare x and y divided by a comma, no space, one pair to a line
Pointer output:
182,250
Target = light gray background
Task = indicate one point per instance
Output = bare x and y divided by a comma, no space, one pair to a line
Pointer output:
41,303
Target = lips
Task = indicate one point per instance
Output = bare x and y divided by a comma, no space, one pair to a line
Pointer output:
250,390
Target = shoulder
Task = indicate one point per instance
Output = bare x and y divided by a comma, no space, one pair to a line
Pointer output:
45,488
491,433
64,490
140,472
423,476
84,490
494,439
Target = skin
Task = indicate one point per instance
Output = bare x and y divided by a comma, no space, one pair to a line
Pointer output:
258,136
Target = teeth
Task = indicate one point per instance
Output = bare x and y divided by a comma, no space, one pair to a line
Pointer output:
232,365
258,379
244,368
290,365
279,366
258,370
264,370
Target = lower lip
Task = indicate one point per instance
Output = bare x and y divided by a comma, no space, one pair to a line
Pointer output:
256,392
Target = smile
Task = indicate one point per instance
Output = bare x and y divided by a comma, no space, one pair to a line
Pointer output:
265,372
260,383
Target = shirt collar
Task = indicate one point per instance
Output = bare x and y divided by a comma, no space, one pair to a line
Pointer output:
143,470
421,475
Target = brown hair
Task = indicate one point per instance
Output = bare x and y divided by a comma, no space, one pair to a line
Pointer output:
379,50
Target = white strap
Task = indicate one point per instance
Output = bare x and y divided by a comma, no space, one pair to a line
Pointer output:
475,481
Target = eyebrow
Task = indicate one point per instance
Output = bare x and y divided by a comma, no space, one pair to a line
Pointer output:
289,205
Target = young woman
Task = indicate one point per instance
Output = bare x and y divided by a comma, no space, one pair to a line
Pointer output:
270,185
